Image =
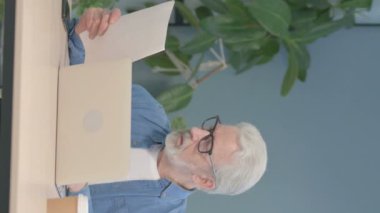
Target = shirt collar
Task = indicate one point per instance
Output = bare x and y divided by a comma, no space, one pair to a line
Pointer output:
174,191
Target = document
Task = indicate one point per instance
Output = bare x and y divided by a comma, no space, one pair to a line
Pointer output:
135,36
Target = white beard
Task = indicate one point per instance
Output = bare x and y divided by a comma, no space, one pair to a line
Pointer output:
173,150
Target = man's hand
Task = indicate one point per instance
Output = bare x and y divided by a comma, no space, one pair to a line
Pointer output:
76,187
96,21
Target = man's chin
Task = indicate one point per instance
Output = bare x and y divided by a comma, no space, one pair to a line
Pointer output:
171,148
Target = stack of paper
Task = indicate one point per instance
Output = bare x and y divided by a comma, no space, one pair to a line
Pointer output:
135,36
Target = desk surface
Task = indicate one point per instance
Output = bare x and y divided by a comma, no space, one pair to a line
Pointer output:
40,48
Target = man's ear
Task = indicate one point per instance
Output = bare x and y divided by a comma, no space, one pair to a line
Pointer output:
203,182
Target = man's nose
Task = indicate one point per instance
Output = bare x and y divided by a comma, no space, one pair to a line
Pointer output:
197,134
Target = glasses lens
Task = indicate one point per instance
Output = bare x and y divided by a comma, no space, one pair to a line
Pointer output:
209,124
205,144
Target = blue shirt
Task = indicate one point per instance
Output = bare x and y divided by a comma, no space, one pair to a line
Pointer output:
150,125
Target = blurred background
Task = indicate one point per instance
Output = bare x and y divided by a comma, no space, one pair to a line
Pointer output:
322,129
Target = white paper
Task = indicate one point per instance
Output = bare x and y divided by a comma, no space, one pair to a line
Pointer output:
135,36
82,206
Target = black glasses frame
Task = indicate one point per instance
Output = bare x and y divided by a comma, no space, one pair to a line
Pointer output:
211,135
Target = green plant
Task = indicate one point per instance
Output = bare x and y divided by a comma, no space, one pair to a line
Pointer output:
81,5
1,10
245,33
178,123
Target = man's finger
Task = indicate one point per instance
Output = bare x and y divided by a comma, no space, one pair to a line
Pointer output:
115,15
90,16
104,23
80,27
94,27
82,24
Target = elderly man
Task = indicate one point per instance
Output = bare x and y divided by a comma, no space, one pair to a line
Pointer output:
215,158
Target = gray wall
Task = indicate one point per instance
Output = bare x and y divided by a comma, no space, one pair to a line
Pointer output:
323,139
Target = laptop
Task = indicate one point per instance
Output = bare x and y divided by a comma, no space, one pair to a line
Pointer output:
94,99
94,122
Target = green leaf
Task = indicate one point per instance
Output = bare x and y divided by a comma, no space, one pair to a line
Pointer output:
244,60
172,43
203,12
291,74
131,10
1,10
149,4
176,97
244,38
297,4
215,5
318,4
244,46
355,4
168,72
187,14
178,123
273,15
270,49
185,58
241,61
323,17
303,57
159,60
323,29
238,10
199,43
304,18
310,4
224,26
82,5
217,25
241,42
304,61
298,63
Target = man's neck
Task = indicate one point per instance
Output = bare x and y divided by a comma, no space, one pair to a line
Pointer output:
160,166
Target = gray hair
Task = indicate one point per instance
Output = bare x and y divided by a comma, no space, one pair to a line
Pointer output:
248,166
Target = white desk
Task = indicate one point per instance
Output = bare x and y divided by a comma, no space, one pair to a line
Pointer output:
40,46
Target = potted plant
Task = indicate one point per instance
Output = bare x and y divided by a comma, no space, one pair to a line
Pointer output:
245,33
241,34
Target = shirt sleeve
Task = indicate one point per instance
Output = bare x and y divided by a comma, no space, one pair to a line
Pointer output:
86,192
75,45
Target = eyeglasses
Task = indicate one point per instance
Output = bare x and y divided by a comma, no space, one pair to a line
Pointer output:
206,144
